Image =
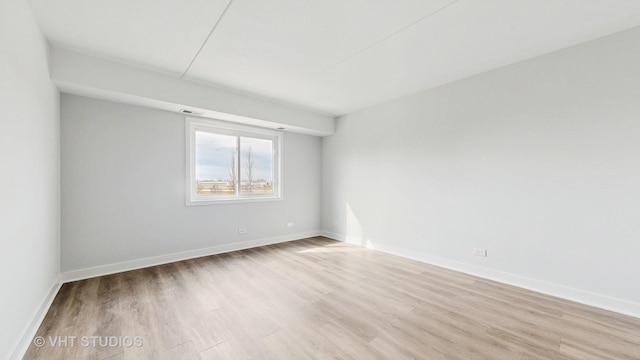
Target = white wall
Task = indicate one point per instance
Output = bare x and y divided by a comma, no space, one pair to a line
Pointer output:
538,162
29,177
123,190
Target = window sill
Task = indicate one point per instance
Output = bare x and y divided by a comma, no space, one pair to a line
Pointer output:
232,201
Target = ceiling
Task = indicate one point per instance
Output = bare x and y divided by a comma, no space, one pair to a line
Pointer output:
329,56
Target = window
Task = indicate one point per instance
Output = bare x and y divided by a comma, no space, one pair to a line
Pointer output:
228,163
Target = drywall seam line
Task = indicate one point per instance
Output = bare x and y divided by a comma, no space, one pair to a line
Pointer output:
386,37
207,39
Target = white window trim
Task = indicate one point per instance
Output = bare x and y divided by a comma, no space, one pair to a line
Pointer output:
223,127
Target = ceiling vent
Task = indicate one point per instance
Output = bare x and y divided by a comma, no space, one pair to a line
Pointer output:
189,112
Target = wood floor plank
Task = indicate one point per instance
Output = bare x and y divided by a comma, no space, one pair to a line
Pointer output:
321,299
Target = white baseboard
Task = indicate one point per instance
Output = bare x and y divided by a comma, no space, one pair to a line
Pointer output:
27,336
338,237
185,255
584,297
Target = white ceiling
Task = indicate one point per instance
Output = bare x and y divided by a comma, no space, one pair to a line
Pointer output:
331,56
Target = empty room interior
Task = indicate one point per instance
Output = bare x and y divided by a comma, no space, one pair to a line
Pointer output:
286,179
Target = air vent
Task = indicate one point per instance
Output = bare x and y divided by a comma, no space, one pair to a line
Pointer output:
189,112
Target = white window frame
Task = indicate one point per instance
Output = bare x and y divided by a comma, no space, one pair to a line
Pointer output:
225,128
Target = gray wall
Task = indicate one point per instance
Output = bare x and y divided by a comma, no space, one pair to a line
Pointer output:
30,175
123,189
538,162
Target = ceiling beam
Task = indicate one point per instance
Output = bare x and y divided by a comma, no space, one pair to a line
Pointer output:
84,75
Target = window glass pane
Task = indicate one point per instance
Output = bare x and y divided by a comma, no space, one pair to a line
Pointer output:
216,164
256,166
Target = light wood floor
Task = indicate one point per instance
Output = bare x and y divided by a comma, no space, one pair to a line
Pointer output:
320,299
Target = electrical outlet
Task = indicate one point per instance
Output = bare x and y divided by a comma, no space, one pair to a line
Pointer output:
242,231
289,224
480,252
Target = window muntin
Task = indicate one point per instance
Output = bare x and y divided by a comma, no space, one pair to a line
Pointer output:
231,163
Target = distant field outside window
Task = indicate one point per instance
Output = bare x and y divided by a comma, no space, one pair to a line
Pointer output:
229,163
